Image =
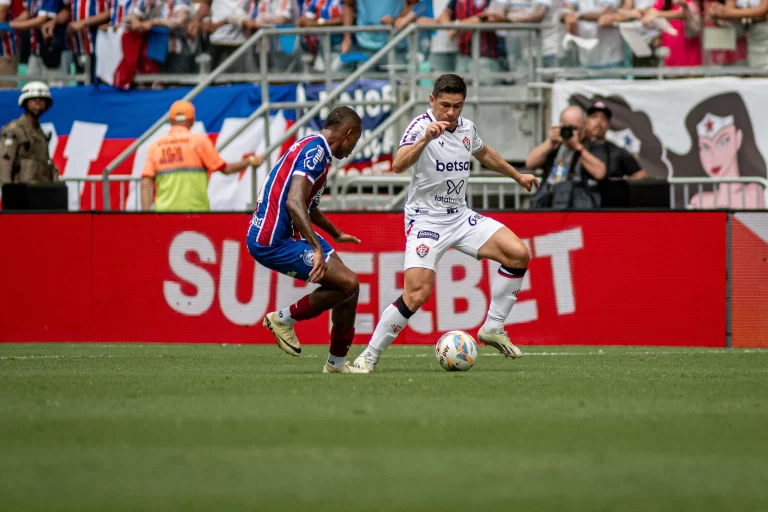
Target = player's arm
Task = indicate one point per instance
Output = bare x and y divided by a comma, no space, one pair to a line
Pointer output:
148,174
297,209
321,221
409,152
491,159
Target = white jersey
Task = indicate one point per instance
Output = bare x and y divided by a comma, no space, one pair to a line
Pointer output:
439,177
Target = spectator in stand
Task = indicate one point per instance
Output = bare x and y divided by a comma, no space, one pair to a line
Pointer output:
9,41
443,49
173,14
82,19
262,13
225,32
685,47
735,57
367,13
119,12
323,13
756,13
530,11
180,162
635,10
38,17
619,162
584,15
467,12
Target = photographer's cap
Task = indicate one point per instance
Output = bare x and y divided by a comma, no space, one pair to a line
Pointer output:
599,106
182,111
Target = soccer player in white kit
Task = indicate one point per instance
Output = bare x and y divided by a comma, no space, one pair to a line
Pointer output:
438,145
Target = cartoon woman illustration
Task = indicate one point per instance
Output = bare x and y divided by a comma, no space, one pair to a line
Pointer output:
723,147
631,130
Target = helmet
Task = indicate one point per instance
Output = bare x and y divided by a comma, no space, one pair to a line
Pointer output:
35,90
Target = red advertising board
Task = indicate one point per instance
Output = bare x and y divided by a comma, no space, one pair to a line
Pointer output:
595,279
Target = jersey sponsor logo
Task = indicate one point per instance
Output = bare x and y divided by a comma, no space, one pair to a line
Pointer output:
318,196
476,219
467,143
455,187
314,157
422,250
451,166
308,257
428,234
450,200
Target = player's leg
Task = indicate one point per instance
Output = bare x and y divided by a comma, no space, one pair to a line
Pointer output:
295,259
419,283
339,277
513,256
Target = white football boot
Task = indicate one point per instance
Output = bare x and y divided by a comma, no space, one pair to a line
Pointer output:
347,368
499,341
365,361
284,334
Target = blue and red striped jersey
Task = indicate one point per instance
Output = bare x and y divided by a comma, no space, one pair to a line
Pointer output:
84,41
309,158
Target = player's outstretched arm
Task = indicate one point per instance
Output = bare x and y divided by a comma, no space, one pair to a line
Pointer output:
409,154
321,221
297,209
491,159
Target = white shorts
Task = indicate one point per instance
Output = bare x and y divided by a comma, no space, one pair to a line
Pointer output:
428,237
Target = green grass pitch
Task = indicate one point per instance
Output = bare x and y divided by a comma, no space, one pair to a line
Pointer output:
211,427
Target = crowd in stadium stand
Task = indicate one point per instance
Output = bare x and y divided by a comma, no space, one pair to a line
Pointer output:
37,36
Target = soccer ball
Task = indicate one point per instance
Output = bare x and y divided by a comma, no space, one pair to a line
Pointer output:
456,351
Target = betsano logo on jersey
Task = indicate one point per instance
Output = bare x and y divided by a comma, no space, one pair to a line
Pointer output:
451,166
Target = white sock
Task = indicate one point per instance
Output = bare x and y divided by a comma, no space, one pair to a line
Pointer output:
337,361
285,316
390,324
504,287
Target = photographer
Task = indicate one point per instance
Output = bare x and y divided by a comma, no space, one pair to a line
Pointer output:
619,162
571,171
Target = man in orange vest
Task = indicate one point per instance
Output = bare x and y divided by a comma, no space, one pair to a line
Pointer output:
179,164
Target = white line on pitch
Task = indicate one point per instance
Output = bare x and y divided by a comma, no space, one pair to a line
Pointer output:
421,355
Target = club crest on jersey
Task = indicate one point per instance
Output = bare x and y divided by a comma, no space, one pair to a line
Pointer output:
475,219
422,250
428,234
308,257
467,143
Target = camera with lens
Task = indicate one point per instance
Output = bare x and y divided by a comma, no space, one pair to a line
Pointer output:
567,131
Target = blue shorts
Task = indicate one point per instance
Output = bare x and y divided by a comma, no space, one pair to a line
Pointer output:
290,257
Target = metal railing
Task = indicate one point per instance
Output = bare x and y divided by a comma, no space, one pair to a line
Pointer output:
80,184
395,39
388,193
713,185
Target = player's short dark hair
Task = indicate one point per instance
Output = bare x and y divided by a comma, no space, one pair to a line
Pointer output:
340,116
449,84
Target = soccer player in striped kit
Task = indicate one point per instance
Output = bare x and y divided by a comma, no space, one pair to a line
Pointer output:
280,237
438,145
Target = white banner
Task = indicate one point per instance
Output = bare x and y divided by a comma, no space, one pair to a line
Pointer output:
696,128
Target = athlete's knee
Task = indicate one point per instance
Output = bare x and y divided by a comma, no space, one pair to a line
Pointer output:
417,295
516,255
350,285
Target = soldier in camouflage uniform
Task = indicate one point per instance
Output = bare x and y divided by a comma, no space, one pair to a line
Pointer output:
24,154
